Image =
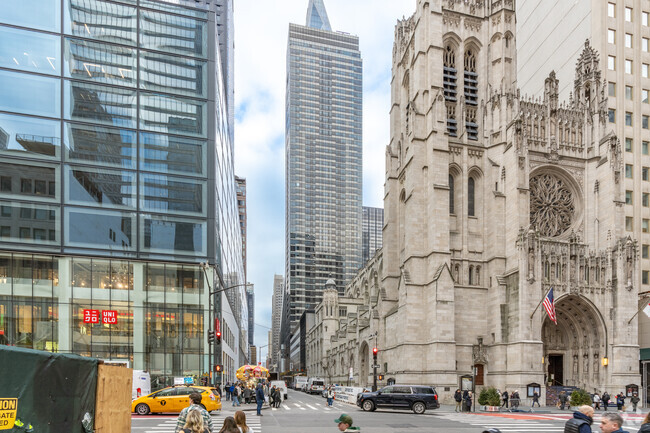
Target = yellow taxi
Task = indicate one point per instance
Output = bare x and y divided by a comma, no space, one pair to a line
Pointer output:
174,399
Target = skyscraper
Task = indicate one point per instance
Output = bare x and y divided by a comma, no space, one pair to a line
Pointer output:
113,144
276,318
323,160
372,225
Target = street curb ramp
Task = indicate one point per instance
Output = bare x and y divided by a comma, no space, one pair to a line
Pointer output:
49,392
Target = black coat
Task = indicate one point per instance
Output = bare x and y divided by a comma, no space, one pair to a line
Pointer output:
645,428
458,396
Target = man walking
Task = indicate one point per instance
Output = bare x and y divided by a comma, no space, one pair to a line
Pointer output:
259,396
330,396
195,404
535,399
605,399
228,391
581,421
458,396
563,399
620,401
235,396
611,423
505,399
634,400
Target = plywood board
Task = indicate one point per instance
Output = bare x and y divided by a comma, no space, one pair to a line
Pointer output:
113,406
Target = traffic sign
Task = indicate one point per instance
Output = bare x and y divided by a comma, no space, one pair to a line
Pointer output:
376,366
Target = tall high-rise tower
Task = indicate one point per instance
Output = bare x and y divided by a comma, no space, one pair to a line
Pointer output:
323,160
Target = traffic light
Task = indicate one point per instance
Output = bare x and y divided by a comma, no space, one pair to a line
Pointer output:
218,337
218,368
210,336
374,354
380,377
217,330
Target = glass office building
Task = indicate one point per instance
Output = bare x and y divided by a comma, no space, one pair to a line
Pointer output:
323,162
116,180
371,232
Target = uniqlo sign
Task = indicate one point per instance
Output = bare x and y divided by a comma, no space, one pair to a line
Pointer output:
109,317
91,316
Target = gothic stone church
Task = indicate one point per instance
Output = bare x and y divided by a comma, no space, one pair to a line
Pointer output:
491,199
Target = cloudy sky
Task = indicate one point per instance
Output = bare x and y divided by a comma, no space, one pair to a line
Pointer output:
261,29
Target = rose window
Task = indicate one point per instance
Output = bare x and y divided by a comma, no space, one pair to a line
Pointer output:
551,205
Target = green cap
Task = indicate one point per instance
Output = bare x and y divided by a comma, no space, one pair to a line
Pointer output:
344,418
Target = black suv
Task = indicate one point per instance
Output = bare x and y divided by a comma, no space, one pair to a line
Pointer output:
417,398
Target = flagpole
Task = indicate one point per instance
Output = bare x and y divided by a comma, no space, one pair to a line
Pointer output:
540,303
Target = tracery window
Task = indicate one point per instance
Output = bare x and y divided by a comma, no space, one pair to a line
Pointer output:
470,197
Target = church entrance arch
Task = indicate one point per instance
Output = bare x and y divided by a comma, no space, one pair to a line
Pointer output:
364,367
573,347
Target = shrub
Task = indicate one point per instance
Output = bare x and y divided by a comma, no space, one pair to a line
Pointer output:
580,397
489,397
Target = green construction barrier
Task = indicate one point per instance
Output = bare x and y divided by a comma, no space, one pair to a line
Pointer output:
45,392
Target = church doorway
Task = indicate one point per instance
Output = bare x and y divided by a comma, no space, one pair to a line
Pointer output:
575,345
364,370
555,370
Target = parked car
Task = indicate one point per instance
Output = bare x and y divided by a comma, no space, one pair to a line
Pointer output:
174,399
315,385
417,398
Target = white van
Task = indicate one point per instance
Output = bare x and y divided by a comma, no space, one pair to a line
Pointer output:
141,384
299,382
282,386
315,385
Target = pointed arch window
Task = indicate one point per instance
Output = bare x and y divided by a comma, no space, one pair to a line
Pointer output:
471,197
450,84
471,94
451,194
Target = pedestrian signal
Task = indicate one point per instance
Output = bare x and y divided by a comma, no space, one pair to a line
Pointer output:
218,368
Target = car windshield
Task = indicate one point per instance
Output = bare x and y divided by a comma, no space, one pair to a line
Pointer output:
318,383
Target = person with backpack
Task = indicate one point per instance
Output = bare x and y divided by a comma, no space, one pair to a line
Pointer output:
505,399
458,396
236,392
605,399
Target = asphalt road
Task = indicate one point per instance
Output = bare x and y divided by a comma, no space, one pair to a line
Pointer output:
303,413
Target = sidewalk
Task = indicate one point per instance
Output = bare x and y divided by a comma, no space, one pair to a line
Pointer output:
449,408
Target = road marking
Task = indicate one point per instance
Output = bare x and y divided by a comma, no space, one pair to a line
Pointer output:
311,407
286,407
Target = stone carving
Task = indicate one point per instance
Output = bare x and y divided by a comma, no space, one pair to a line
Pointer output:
552,205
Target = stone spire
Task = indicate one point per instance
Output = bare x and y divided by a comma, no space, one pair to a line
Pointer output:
317,16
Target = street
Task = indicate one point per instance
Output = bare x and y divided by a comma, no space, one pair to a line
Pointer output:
309,413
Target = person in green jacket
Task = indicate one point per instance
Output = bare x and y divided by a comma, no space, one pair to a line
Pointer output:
345,424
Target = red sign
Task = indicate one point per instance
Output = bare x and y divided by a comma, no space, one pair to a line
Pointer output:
109,317
91,316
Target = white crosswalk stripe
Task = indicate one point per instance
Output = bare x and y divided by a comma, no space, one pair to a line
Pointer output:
169,425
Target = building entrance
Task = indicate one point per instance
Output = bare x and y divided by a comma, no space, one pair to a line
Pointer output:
573,348
555,370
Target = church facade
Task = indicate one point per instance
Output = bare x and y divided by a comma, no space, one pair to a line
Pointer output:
491,200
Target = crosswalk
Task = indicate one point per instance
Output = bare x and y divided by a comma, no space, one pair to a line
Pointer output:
505,424
169,425
528,424
289,405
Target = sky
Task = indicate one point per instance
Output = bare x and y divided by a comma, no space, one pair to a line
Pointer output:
261,31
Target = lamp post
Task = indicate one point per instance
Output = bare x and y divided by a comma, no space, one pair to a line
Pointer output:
216,317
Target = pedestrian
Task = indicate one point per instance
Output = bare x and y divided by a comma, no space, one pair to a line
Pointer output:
247,394
195,404
536,399
277,397
611,422
634,400
345,423
605,399
505,399
259,396
229,425
563,400
272,396
218,388
596,401
581,421
194,423
458,396
240,419
620,401
228,391
468,401
645,424
515,399
235,395
330,396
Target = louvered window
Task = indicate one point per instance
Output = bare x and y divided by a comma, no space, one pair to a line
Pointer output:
470,123
450,84
471,79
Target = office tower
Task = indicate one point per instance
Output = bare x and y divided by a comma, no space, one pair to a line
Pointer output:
372,226
241,206
323,161
276,317
619,33
250,303
116,143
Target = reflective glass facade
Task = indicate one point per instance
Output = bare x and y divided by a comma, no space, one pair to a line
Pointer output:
323,160
114,143
371,232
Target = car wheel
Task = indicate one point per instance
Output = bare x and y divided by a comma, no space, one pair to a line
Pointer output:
368,406
419,407
142,409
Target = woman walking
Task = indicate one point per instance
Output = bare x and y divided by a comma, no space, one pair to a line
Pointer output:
194,423
240,419
229,426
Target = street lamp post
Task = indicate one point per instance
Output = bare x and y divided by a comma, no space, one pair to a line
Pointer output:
216,313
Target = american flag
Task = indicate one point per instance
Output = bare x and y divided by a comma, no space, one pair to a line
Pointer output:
549,306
